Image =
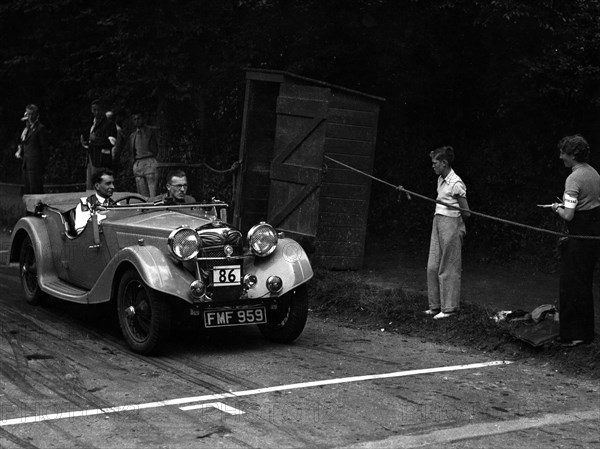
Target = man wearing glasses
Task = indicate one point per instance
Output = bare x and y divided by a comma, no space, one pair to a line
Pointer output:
177,186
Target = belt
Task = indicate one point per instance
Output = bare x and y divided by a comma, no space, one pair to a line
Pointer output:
140,158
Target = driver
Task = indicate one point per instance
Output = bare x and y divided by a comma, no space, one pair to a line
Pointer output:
104,184
177,186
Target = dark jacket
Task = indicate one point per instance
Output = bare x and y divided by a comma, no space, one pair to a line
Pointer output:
102,131
35,148
169,200
93,202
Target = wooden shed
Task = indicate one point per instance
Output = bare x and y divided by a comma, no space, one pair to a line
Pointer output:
290,124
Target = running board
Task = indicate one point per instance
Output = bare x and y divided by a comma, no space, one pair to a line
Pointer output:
65,291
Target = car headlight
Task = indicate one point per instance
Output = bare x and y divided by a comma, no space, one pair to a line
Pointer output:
262,239
184,243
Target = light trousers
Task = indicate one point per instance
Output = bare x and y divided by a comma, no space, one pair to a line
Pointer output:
146,176
444,266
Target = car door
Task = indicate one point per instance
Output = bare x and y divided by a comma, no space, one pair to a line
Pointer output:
84,257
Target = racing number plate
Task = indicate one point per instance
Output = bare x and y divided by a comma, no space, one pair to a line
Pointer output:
231,317
227,275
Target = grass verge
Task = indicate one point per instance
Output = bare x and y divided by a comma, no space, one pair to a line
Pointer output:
348,298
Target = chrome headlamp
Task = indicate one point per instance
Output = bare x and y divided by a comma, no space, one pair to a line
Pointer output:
262,239
184,243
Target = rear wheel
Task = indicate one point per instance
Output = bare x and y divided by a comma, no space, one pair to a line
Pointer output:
144,315
287,322
28,271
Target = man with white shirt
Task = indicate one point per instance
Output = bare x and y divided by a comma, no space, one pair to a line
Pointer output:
104,184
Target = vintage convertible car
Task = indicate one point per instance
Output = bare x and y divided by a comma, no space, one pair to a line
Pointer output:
154,261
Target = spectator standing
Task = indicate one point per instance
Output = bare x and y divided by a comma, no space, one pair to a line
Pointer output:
110,115
580,209
33,151
143,143
444,265
102,138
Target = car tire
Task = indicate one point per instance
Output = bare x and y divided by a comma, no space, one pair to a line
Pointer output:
144,314
287,322
28,265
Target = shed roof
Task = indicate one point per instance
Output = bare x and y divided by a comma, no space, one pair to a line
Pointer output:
278,75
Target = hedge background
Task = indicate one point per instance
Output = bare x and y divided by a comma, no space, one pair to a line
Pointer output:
501,81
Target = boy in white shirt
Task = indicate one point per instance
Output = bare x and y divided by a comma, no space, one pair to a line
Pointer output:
444,265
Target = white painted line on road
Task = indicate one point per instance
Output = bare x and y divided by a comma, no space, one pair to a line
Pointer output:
218,405
480,430
213,397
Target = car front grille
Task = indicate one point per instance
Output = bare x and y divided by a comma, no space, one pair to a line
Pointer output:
213,256
214,241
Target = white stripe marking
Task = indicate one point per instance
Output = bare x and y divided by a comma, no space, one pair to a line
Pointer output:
213,397
480,430
218,405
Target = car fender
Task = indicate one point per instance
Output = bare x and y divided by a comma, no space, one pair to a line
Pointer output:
158,271
289,261
35,228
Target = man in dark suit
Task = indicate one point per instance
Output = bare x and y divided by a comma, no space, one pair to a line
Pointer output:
33,151
100,144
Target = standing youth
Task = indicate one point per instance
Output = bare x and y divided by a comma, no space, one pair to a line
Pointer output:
444,265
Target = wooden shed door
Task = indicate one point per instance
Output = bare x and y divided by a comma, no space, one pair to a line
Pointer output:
296,168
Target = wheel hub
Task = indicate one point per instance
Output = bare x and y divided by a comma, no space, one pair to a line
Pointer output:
130,311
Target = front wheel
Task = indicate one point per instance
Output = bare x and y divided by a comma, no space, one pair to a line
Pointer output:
28,271
144,315
287,322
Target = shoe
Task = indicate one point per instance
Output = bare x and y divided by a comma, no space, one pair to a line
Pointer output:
432,312
441,315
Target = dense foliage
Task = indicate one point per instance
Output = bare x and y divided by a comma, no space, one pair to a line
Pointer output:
500,80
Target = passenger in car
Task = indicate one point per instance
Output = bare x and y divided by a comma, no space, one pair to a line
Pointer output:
177,186
103,182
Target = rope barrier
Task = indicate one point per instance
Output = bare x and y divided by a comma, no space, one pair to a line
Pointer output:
233,167
410,193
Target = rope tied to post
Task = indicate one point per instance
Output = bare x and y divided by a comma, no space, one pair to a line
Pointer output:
233,167
410,194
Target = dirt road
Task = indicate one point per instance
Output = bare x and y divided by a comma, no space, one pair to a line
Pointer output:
68,380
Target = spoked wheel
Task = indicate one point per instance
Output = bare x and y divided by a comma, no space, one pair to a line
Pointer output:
287,322
28,270
144,315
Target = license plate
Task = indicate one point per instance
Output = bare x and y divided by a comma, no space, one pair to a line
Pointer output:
227,275
230,317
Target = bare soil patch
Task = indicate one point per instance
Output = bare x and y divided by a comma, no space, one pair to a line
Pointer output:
389,295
